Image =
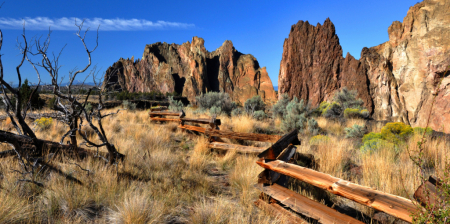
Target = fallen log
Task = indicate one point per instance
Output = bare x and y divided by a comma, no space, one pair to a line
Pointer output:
37,147
391,204
276,210
238,148
242,136
153,114
191,120
305,206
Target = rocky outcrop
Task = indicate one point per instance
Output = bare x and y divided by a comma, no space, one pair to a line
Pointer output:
190,70
396,80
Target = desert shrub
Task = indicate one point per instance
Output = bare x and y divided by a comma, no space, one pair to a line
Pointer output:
333,110
323,106
254,104
319,139
351,113
237,112
128,105
375,144
279,109
215,110
371,136
51,103
313,126
88,107
364,113
420,131
175,105
356,113
259,115
295,116
347,99
218,99
356,131
43,123
396,132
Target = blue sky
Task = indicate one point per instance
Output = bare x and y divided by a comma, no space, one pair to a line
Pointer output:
255,27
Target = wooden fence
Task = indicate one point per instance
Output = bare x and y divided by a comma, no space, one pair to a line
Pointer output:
278,159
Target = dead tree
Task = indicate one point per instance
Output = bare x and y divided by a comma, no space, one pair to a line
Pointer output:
73,108
30,150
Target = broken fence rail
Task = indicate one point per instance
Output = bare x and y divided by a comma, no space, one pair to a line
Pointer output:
272,181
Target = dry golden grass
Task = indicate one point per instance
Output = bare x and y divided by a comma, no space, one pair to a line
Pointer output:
161,180
332,127
166,176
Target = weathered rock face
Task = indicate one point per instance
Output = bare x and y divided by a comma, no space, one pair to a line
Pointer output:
189,69
396,80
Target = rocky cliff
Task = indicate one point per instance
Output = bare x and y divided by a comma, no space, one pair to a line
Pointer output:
190,70
396,80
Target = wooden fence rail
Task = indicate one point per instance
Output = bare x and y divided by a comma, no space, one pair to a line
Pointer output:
277,162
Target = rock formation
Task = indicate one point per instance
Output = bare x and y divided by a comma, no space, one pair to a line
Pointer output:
190,70
396,80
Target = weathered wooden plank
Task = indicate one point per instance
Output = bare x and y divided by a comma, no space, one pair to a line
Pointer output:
192,120
391,204
428,193
305,206
164,113
192,128
276,210
238,148
242,136
273,151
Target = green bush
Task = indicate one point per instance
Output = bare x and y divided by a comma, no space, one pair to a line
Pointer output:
259,115
356,113
396,132
279,109
375,144
323,106
420,131
51,103
215,111
356,131
237,112
333,110
295,116
313,126
175,105
128,105
347,99
351,113
371,136
319,139
365,113
218,99
254,104
88,107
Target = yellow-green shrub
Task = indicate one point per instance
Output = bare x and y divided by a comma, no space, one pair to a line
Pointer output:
396,132
370,136
420,131
351,113
376,144
323,106
319,139
44,123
